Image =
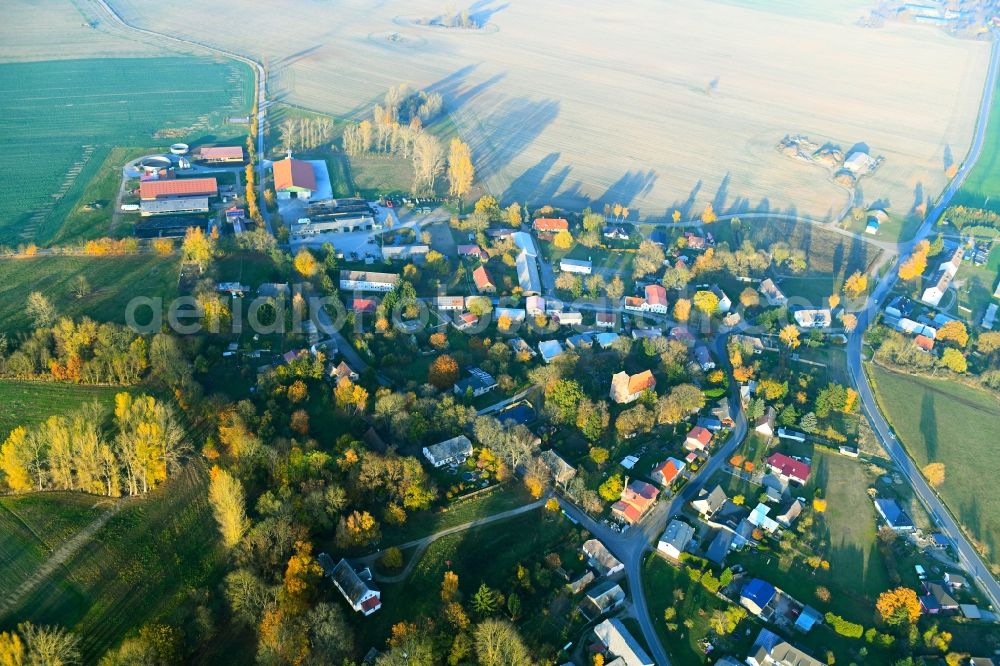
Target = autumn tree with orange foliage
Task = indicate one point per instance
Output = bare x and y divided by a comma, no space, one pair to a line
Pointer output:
443,372
708,215
898,606
915,266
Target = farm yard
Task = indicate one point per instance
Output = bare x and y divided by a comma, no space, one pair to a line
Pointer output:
542,110
941,420
61,119
112,282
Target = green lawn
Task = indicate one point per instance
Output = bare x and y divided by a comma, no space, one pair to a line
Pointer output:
667,586
379,174
60,119
113,281
248,268
27,403
488,554
942,421
139,568
981,188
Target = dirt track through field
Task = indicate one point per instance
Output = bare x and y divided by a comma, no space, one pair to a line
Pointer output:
59,557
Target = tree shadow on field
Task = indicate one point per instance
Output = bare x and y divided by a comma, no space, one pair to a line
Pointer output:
719,201
685,206
456,89
510,128
928,426
524,187
481,13
632,184
948,158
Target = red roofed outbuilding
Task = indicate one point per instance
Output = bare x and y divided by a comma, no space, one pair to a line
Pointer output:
177,188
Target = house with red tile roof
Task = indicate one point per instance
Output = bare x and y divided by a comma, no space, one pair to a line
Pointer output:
626,388
667,471
551,224
656,298
925,343
364,305
638,498
484,283
788,467
473,251
293,179
698,439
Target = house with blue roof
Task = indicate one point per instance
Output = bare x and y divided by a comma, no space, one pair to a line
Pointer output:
893,515
757,596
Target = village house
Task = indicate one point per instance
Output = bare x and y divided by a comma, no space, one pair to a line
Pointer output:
473,251
789,468
770,291
451,451
724,301
448,303
515,315
637,498
666,472
519,346
764,425
601,559
894,516
753,342
550,224
605,320
771,650
621,644
568,318
359,591
479,382
484,283
465,320
368,281
340,372
757,597
937,599
708,503
694,241
534,306
704,358
562,472
675,539
616,233
813,318
550,350
626,388
656,299
945,273
698,439
601,599
363,305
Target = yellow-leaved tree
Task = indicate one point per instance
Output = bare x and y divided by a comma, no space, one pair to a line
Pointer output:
460,169
225,494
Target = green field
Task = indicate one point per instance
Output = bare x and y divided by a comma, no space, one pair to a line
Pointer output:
378,174
59,121
32,526
113,281
27,403
140,567
981,188
943,421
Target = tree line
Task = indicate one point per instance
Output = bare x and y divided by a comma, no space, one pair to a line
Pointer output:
136,452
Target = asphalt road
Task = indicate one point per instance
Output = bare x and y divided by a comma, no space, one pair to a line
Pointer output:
631,547
968,556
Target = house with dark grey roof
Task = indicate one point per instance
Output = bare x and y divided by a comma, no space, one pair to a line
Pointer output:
479,382
707,503
360,593
603,598
454,450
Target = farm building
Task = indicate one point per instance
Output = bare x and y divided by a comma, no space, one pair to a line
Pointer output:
576,266
601,559
293,179
524,242
367,281
167,226
221,154
178,188
527,274
187,205
942,278
621,644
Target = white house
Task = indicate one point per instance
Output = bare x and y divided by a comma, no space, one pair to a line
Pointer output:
368,281
360,593
576,266
813,318
534,305
449,302
454,450
724,302
675,539
774,295
569,318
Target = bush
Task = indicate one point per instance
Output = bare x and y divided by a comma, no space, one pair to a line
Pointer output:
844,627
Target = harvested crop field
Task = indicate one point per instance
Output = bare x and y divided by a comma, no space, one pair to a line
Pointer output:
636,102
60,119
